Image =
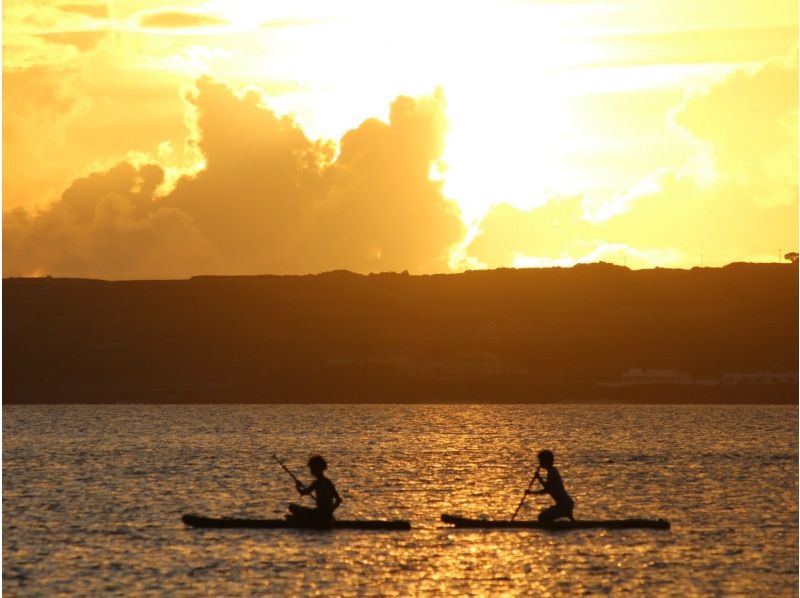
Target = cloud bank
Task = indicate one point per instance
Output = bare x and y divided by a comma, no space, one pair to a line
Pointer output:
268,200
745,209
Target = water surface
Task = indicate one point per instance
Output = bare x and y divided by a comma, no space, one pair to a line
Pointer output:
93,495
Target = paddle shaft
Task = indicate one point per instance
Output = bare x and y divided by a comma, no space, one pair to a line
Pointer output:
286,469
524,496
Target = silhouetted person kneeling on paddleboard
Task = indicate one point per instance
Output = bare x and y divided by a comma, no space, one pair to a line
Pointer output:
325,494
554,486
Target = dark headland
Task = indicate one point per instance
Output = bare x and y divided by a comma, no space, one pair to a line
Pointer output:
592,333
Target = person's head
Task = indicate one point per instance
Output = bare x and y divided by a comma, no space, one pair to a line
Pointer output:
546,458
317,465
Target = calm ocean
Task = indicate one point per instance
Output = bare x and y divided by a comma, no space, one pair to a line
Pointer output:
93,498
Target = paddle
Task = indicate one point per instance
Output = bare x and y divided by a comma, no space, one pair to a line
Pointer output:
286,469
524,496
289,471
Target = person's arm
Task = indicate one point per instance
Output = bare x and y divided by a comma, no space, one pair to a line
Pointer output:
543,489
541,481
304,490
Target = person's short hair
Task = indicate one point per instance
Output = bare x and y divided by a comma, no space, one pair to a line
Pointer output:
318,462
546,457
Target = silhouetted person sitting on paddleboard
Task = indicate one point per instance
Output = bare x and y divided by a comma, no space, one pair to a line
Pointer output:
554,486
325,494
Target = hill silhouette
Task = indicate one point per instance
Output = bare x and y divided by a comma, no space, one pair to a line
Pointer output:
531,335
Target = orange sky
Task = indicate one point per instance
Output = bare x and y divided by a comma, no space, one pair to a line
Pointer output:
232,137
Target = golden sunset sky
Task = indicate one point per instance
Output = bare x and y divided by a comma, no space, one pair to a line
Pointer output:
144,139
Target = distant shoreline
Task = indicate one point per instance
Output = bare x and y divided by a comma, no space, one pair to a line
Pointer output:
329,273
575,404
590,334
774,395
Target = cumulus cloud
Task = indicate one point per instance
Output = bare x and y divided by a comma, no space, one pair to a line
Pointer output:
555,230
34,101
749,121
179,19
261,177
748,210
680,221
725,219
60,122
268,199
382,211
106,224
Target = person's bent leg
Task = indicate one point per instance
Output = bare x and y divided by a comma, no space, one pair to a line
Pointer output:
319,517
561,510
557,511
299,512
567,509
548,515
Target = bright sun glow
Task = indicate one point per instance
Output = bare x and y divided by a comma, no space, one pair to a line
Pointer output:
575,130
498,71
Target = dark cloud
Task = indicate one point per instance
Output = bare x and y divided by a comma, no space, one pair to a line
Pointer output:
177,19
269,199
95,11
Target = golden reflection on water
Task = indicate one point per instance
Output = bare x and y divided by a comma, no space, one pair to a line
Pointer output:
92,499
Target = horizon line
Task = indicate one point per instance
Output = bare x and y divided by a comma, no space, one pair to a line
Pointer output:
343,271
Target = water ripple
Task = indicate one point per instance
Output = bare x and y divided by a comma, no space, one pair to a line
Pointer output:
92,499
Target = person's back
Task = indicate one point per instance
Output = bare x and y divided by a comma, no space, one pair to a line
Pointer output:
325,494
554,486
